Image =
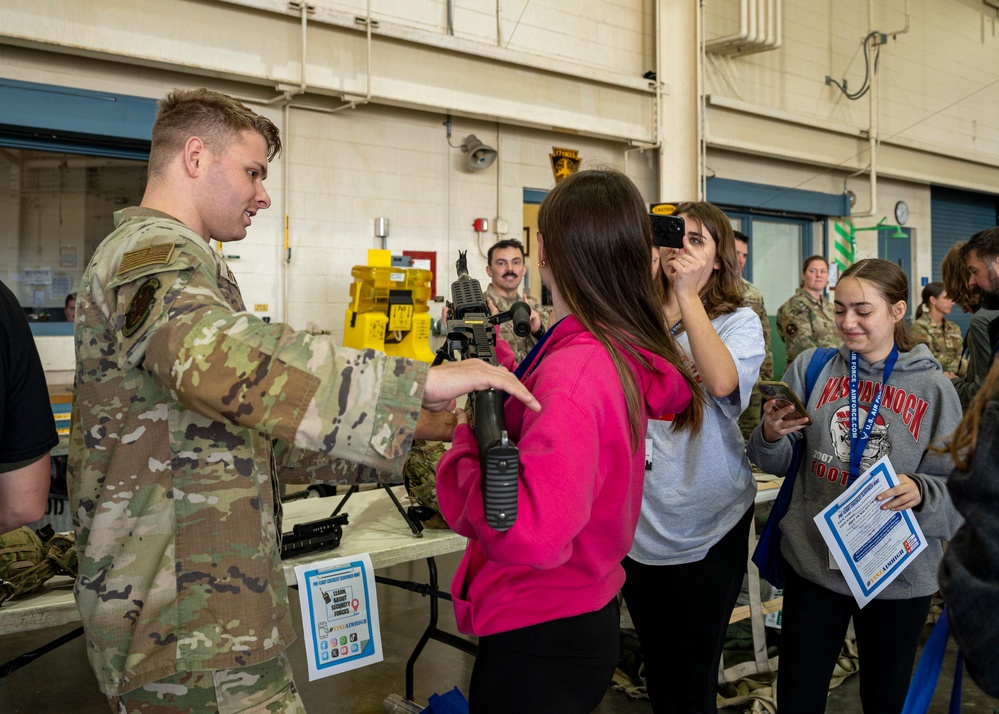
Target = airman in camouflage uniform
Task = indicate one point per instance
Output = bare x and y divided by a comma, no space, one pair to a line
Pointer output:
751,417
804,322
521,346
506,270
945,341
179,395
421,478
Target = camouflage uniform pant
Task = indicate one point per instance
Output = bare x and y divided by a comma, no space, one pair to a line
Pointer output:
751,417
266,687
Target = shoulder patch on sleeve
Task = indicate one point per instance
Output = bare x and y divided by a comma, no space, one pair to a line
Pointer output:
791,330
153,255
140,307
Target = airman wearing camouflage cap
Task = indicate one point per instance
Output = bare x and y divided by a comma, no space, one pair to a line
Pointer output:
179,395
808,319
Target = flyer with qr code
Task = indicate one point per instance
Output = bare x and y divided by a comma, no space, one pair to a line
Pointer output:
339,614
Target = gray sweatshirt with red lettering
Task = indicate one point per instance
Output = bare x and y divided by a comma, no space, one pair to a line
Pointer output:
919,407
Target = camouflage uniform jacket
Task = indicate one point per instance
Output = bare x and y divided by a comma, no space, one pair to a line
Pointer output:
750,416
945,341
172,473
520,345
754,299
805,322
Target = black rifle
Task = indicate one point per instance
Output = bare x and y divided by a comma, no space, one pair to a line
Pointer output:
322,534
471,335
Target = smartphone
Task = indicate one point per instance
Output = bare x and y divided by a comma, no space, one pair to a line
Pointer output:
784,396
667,231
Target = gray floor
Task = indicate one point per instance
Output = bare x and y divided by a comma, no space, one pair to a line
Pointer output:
61,680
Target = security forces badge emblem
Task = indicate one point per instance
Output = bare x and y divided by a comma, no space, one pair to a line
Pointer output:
565,162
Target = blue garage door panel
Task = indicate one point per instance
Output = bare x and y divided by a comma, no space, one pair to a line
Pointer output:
956,216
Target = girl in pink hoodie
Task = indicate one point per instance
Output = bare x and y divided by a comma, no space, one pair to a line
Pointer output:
542,596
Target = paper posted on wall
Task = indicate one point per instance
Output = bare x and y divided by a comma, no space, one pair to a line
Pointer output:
871,546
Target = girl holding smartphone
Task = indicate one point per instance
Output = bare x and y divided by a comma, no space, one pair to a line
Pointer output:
878,396
685,569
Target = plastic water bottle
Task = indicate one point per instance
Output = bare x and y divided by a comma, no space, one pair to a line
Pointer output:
394,704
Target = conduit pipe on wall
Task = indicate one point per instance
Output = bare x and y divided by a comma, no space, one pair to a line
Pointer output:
702,144
656,85
358,101
759,29
285,162
288,93
874,109
499,23
287,96
657,101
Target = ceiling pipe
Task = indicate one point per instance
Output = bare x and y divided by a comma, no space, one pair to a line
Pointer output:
743,34
759,29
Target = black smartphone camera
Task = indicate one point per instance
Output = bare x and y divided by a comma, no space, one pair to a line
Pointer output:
667,231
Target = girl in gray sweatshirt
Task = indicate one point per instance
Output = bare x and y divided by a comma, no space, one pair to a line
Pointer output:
917,407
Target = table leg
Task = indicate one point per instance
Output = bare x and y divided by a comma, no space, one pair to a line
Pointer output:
15,664
432,632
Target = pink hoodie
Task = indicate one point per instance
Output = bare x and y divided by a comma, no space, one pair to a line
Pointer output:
580,489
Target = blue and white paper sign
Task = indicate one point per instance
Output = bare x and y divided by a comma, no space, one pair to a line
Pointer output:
339,614
871,546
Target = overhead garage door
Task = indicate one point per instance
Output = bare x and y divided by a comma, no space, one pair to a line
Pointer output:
956,216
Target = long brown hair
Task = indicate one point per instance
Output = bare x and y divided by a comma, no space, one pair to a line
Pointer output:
954,274
962,444
722,293
598,245
890,282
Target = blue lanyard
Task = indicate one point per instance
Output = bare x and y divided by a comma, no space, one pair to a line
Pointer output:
529,364
676,328
858,441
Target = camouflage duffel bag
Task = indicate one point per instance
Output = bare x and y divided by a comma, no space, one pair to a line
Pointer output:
25,563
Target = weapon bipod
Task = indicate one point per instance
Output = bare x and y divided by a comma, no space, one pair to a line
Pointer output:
414,523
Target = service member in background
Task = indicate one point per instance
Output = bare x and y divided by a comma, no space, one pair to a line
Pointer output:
981,254
808,319
179,395
977,354
932,328
27,427
69,308
506,269
754,299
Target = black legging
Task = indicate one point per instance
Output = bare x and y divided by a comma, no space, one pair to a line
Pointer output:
813,626
561,666
681,614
